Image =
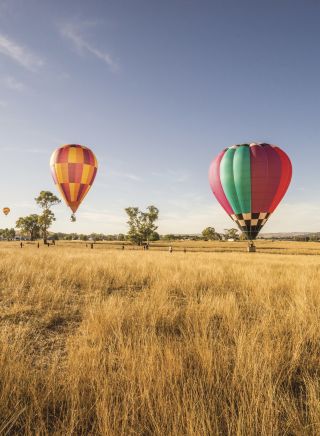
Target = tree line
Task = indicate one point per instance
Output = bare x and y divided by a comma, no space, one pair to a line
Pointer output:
37,225
142,226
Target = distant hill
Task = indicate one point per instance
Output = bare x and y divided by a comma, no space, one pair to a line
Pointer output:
289,235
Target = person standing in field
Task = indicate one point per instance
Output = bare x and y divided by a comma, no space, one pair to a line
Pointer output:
170,249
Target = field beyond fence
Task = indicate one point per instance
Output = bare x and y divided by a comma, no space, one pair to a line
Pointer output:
107,341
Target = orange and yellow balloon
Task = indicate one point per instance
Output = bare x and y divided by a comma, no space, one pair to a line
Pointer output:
74,168
6,210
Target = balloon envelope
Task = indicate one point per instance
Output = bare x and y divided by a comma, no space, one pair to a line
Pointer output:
74,168
6,210
249,181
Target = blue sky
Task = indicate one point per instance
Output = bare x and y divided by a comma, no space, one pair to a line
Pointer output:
157,89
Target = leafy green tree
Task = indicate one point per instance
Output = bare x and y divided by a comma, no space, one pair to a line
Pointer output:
74,236
141,224
210,234
96,237
29,225
196,238
169,237
46,200
9,234
232,234
45,220
154,236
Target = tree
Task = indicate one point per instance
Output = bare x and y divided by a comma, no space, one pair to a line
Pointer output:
12,233
154,236
46,200
141,224
232,234
29,225
8,234
96,237
169,237
45,220
210,234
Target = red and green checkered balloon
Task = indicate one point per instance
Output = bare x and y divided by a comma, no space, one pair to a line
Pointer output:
249,181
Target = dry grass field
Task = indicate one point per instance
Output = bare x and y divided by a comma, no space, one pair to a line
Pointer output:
112,342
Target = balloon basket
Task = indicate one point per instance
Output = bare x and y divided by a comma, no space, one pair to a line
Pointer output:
73,218
251,247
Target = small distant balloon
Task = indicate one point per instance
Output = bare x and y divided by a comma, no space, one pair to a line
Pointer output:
74,168
6,210
249,181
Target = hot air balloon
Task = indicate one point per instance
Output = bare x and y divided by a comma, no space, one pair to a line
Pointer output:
249,181
74,168
6,210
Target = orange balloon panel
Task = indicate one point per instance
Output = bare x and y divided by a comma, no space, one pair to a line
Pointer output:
74,168
6,210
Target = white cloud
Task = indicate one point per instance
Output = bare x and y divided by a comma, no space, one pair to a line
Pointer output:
176,175
294,217
22,205
193,220
299,217
103,217
73,32
20,54
31,150
125,175
37,151
11,83
191,213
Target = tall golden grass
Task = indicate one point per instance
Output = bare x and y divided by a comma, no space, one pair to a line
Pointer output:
108,342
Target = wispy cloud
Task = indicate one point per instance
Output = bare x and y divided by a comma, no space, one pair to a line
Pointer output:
194,220
74,32
20,54
294,217
11,83
177,176
31,150
22,204
125,175
103,216
289,217
3,104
